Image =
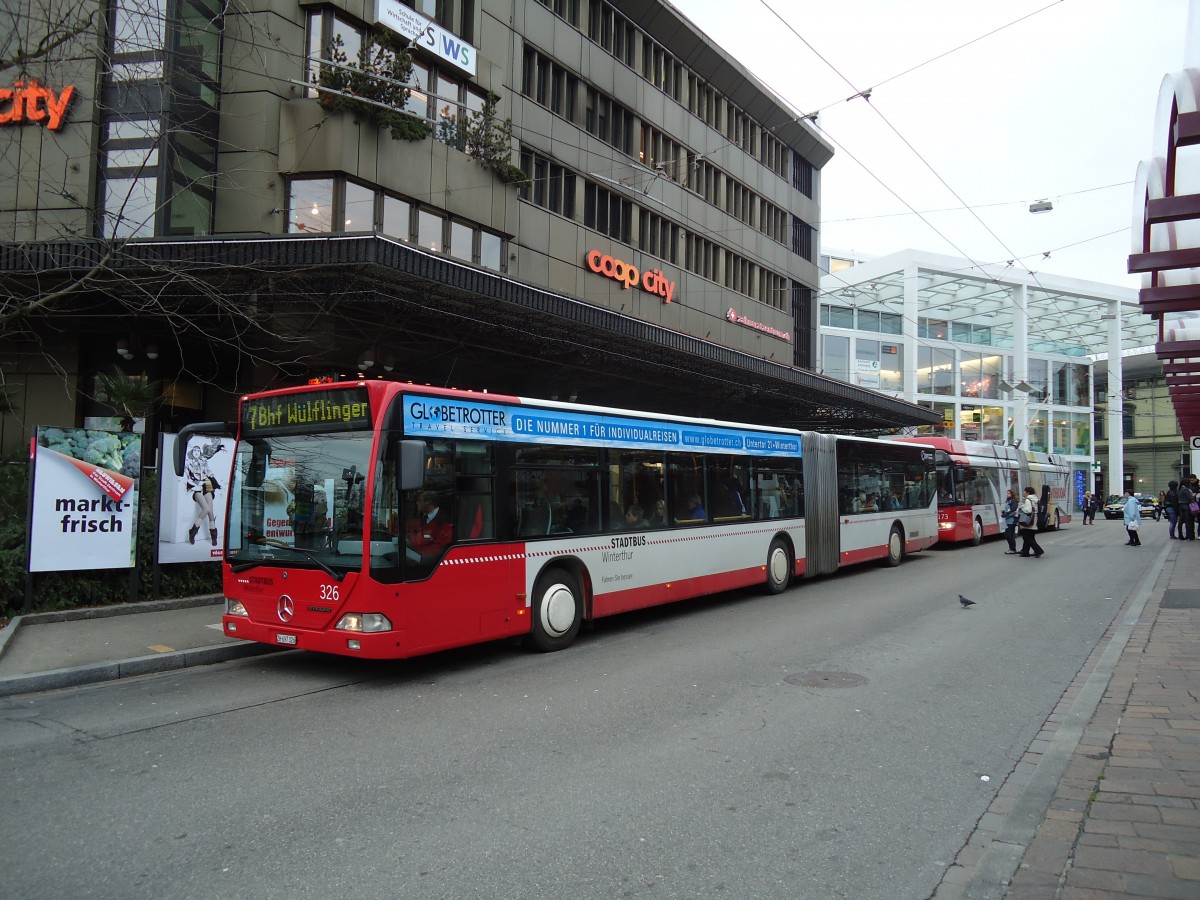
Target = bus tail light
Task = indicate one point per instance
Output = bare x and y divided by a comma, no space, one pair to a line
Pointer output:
235,608
364,622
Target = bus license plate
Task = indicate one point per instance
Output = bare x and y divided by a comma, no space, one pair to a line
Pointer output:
285,639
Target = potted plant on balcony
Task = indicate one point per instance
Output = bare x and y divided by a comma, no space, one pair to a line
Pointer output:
374,87
489,142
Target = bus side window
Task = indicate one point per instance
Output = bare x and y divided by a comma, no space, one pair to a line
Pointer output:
685,481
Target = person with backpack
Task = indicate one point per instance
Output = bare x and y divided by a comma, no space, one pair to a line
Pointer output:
1171,507
1027,522
1011,508
1186,528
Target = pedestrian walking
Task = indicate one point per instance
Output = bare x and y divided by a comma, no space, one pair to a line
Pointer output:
1027,523
1010,511
1133,518
1186,529
1089,508
1171,507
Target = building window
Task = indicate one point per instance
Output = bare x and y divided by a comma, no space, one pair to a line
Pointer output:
417,103
397,218
430,227
607,212
612,31
314,203
564,9
547,184
835,357
658,236
129,206
1038,433
462,241
310,205
491,248
933,329
837,316
935,371
1038,379
609,121
360,208
891,323
802,174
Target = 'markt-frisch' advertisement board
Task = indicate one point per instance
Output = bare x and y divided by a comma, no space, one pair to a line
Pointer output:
84,509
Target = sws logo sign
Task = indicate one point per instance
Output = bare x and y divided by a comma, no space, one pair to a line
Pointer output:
652,281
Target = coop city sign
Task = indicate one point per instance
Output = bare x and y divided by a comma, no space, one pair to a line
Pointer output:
653,281
28,102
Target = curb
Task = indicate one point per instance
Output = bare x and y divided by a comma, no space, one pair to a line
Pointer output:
127,668
101,612
110,671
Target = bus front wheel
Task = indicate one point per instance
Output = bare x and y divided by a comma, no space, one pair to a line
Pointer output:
779,566
895,547
976,533
557,610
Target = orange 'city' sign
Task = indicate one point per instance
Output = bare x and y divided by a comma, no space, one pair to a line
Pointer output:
652,281
28,101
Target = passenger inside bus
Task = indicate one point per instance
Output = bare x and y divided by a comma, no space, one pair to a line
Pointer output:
693,510
635,518
659,517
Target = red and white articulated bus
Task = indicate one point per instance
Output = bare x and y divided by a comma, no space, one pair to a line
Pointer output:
973,477
380,520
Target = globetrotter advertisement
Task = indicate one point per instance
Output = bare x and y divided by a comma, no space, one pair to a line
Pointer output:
85,499
191,507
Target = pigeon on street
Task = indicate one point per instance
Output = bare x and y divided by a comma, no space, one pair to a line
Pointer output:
967,604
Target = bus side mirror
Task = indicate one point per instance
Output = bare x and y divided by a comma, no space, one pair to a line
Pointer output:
412,465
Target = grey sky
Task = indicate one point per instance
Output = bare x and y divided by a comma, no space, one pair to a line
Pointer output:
1059,106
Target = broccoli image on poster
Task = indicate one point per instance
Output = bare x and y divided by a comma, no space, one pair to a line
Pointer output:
85,499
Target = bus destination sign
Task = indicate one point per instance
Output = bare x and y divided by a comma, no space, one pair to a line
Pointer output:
341,409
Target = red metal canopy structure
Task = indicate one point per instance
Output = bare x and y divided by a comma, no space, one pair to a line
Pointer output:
1166,241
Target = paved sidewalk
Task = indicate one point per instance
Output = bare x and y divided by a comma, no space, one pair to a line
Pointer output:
44,651
1105,803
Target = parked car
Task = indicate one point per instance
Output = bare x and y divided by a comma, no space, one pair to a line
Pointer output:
1114,507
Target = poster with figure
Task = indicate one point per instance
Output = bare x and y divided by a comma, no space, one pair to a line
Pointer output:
84,509
191,507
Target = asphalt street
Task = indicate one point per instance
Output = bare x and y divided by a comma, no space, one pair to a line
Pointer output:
842,739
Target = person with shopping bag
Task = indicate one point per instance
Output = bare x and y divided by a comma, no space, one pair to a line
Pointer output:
1133,518
1027,523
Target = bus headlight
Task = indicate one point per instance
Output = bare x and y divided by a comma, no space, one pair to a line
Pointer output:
364,622
235,608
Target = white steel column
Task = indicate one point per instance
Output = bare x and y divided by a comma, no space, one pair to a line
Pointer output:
1020,372
1114,478
912,286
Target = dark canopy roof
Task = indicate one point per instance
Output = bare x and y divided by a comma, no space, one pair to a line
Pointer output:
445,323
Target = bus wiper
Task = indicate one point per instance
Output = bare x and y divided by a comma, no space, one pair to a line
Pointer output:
312,557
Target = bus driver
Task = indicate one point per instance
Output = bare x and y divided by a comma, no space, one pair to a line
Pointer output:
430,530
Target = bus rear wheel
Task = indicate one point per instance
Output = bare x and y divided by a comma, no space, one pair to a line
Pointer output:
895,547
779,566
557,610
976,533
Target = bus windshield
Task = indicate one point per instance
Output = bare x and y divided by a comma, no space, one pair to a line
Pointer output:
298,500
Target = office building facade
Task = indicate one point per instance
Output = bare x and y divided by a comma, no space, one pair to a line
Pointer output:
575,198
